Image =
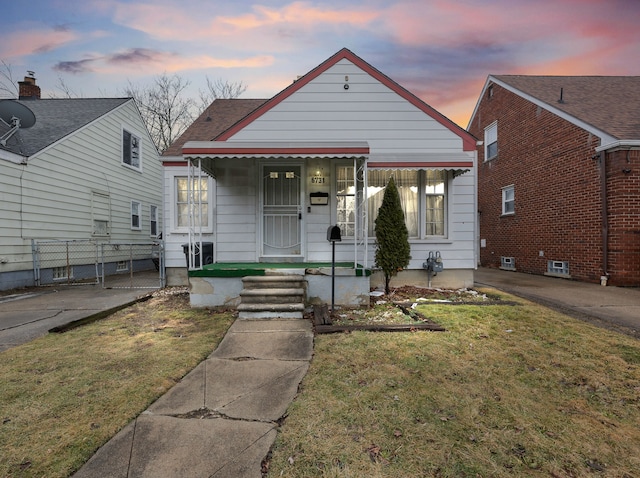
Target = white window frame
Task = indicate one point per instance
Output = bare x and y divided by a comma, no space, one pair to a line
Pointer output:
138,205
491,138
134,144
508,197
153,220
422,204
173,206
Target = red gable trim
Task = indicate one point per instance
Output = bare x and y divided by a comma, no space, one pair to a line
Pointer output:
275,150
420,165
468,141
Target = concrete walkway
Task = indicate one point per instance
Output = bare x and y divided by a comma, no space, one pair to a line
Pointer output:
221,420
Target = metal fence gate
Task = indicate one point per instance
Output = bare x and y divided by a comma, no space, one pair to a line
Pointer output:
112,265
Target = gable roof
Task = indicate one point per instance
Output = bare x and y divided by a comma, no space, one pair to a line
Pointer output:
469,142
608,104
55,119
216,118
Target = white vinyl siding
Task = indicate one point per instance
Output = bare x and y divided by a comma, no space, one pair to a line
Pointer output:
367,111
57,195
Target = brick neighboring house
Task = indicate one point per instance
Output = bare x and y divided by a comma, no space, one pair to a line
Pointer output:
559,176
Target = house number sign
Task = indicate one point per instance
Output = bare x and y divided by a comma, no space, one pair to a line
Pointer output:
317,179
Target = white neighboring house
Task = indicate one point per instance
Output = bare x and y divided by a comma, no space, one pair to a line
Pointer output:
277,174
87,170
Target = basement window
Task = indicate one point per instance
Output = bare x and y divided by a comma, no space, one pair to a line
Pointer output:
508,263
62,273
558,267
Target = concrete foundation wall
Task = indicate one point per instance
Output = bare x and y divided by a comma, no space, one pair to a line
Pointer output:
447,279
349,290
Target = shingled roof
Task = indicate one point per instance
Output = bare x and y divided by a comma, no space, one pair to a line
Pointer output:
55,119
215,119
608,103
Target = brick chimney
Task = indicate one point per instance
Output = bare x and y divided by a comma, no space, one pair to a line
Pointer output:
28,89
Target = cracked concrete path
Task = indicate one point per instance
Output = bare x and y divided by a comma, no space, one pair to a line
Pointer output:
222,418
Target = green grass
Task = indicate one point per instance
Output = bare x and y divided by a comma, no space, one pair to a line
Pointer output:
506,391
64,395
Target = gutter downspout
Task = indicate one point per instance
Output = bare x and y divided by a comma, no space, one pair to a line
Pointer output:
605,219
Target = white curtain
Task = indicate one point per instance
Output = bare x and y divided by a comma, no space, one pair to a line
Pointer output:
407,184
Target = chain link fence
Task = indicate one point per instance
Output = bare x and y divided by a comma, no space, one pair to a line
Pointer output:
112,265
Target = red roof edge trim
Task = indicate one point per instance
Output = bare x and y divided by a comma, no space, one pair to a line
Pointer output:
174,163
468,141
276,150
284,94
421,164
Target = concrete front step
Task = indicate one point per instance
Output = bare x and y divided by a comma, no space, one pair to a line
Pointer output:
273,282
285,296
268,311
276,296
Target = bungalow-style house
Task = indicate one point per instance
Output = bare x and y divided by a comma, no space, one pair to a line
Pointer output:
83,171
263,186
559,176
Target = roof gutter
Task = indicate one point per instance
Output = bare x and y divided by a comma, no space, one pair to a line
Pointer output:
621,143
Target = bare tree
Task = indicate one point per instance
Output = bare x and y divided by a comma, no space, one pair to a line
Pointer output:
8,86
165,109
220,89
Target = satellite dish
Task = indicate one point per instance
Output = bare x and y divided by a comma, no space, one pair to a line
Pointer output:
16,116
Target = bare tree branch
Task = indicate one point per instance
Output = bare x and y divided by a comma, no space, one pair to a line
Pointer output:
220,89
164,108
8,86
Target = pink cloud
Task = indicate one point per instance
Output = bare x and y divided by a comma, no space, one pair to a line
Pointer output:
28,42
177,23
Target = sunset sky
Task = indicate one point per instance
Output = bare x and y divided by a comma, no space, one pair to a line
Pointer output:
441,50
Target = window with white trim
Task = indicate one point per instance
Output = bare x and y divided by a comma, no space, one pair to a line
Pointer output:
131,150
422,196
346,200
491,141
136,219
200,196
153,221
508,200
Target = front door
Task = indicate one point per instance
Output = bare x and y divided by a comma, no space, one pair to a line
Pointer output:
281,211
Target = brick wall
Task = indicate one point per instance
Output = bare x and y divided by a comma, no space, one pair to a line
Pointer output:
557,186
623,188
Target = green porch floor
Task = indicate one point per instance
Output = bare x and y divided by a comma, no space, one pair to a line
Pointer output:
242,269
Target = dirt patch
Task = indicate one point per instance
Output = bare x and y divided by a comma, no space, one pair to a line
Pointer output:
397,311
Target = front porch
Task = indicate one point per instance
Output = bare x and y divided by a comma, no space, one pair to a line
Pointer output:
220,284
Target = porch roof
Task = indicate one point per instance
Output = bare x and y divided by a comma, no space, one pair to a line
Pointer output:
459,163
209,151
273,149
